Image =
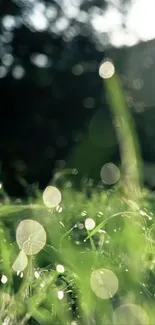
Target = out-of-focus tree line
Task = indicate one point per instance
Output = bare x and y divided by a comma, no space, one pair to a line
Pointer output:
54,112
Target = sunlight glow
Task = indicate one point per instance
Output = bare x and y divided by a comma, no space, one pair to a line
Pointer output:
108,21
140,23
38,20
140,19
51,12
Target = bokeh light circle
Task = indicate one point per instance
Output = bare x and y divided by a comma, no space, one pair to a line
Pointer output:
21,262
51,196
110,174
106,69
104,283
130,314
30,236
89,224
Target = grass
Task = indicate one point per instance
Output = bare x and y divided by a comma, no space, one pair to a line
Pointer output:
122,241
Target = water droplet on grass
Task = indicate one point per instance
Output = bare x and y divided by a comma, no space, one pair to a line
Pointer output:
106,69
30,236
36,274
80,225
100,214
20,263
89,224
74,171
60,294
83,213
59,209
4,279
42,284
51,196
104,283
62,224
110,174
60,268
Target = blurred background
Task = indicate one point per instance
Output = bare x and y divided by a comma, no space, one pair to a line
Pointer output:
54,112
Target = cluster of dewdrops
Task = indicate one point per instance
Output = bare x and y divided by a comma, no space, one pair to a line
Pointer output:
31,238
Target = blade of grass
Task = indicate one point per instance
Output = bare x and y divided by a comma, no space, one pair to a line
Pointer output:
125,131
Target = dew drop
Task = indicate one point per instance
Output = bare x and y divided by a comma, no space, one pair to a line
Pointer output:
60,294
36,274
110,174
89,224
51,196
4,279
104,283
30,236
20,263
59,209
106,69
60,268
42,285
83,213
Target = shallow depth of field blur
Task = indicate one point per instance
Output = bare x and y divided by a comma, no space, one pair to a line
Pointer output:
77,162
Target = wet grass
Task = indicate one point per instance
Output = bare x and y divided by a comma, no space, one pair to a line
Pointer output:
122,241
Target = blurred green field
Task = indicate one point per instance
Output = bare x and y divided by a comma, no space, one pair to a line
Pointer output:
122,242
